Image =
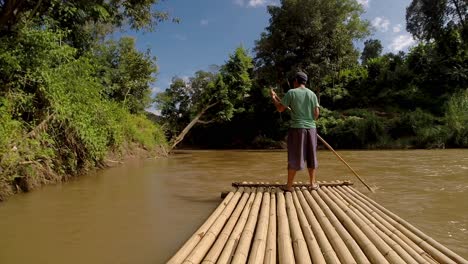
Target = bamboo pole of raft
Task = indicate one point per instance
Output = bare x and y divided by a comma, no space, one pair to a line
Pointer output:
324,245
364,242
344,162
369,240
295,184
314,249
301,251
432,247
231,244
242,250
382,241
349,241
215,251
196,237
415,242
379,223
365,206
285,250
270,252
257,251
209,237
414,234
339,246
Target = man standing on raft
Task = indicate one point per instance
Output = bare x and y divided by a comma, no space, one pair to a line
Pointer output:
302,134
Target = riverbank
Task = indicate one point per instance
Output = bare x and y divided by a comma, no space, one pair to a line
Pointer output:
30,175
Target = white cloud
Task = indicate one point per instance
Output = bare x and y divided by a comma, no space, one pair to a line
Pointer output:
255,3
402,42
364,3
180,37
204,22
397,28
239,2
381,23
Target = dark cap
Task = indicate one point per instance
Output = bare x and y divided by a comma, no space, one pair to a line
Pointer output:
301,76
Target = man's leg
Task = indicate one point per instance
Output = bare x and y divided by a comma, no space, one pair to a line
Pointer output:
312,172
311,156
295,155
291,174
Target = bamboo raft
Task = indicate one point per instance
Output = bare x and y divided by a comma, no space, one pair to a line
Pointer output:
259,223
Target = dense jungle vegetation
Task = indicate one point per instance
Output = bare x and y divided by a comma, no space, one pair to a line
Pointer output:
70,97
417,99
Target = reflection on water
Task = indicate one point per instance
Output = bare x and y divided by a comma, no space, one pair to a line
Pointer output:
143,211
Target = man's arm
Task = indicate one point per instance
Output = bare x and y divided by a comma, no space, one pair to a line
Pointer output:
316,113
277,102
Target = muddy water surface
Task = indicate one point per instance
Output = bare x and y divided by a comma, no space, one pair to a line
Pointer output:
143,211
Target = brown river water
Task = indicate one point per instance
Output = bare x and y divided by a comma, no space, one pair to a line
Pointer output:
143,211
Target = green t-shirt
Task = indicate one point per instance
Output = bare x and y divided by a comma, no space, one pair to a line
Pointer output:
302,102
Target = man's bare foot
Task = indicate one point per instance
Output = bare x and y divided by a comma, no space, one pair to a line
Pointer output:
314,187
286,188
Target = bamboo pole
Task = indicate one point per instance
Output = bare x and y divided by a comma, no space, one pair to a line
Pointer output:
215,251
270,252
345,163
333,234
324,245
372,244
409,246
432,247
210,236
231,244
295,184
242,250
197,236
301,252
361,239
351,244
285,250
257,251
312,244
393,225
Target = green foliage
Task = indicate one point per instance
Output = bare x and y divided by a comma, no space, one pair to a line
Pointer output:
213,96
10,129
126,73
56,117
427,20
423,129
311,35
372,49
86,21
357,129
403,100
236,75
456,118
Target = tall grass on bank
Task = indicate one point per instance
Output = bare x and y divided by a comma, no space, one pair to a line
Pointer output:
54,120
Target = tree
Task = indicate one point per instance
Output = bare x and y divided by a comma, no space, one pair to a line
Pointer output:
126,73
428,19
312,35
85,20
372,49
214,96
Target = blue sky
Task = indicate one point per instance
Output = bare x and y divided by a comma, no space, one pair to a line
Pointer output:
210,30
